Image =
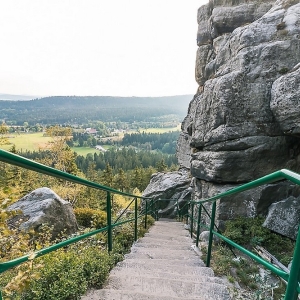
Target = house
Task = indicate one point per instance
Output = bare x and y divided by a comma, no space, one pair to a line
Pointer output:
100,148
92,131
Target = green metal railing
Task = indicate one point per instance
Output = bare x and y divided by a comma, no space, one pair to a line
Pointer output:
292,278
151,208
19,161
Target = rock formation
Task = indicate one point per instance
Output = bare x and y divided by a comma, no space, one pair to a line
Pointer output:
44,207
244,121
172,185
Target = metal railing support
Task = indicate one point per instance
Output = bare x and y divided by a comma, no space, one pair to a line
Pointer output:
294,277
109,227
135,219
146,213
198,224
192,219
212,224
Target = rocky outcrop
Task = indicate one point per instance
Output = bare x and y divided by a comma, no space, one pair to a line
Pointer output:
44,207
244,121
284,217
170,188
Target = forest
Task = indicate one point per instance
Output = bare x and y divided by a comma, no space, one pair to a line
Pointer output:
127,164
78,110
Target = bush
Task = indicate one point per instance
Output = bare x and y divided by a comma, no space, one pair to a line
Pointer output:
88,217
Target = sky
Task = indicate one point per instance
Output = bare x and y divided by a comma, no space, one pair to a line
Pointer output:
98,47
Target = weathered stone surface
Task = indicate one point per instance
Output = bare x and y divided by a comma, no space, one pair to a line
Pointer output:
43,206
244,121
243,160
237,73
171,185
284,217
285,101
246,204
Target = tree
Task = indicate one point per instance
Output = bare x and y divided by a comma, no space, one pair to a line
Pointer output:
61,155
161,166
3,133
121,181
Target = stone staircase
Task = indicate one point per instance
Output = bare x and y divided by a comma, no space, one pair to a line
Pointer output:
162,266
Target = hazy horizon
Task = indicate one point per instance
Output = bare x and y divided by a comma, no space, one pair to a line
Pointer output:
97,47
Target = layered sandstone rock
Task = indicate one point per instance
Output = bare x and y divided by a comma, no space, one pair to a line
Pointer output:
244,121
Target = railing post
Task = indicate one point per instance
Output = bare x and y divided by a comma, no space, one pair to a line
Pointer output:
135,219
198,223
146,213
109,229
212,224
294,277
187,215
192,220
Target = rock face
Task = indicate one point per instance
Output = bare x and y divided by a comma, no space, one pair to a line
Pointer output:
43,206
171,185
244,121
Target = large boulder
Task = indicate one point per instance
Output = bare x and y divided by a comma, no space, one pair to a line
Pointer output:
44,207
284,217
170,188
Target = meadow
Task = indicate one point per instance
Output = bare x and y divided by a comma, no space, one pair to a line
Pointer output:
37,140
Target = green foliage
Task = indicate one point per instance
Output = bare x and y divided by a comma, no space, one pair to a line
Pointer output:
250,232
68,272
88,217
283,70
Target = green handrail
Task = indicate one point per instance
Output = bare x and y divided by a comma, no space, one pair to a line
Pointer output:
293,278
20,161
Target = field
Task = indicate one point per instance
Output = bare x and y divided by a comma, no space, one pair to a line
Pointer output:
27,141
86,150
160,130
36,141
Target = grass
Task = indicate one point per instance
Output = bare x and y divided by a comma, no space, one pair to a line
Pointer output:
160,130
84,151
36,141
27,141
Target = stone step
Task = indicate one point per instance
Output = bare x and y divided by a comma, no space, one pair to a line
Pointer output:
174,241
163,247
167,287
109,294
163,265
180,268
150,253
207,276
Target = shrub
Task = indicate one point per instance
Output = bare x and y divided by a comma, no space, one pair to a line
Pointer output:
88,217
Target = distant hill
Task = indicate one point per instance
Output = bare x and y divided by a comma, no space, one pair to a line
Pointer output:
75,109
16,97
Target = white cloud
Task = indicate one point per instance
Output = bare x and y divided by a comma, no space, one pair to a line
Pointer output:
98,47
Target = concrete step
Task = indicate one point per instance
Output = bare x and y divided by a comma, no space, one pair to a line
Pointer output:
180,268
162,266
207,276
161,241
108,294
167,287
165,246
152,253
